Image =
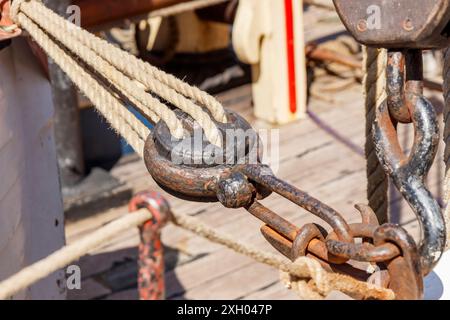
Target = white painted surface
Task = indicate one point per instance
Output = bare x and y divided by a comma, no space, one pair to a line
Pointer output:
437,283
259,38
31,214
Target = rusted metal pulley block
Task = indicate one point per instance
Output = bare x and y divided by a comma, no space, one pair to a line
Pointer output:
191,168
415,24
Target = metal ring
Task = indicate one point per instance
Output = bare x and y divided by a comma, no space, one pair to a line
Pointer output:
365,252
395,76
405,271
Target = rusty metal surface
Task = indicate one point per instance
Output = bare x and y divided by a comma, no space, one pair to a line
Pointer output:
420,24
194,174
396,99
408,172
258,174
388,245
151,285
243,184
405,271
364,251
405,28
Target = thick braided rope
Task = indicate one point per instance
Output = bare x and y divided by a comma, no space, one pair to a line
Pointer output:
165,85
122,120
128,86
446,76
301,287
374,84
67,33
63,31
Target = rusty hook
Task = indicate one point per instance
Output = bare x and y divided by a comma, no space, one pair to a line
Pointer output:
409,172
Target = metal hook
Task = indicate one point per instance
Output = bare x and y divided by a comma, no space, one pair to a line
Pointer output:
408,173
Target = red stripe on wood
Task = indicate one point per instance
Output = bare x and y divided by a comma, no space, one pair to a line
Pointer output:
290,43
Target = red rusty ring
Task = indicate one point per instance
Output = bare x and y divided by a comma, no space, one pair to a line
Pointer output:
184,182
368,216
394,248
151,284
155,203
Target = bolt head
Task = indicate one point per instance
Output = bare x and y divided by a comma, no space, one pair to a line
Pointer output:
408,24
234,191
362,25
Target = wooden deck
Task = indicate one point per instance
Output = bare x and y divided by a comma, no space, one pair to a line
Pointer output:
311,157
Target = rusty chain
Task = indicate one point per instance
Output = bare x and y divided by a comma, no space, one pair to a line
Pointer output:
241,183
386,253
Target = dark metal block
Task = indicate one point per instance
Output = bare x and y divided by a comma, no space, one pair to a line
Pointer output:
411,24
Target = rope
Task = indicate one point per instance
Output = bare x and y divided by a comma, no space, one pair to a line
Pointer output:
70,253
166,85
374,83
303,288
446,76
321,282
110,61
155,109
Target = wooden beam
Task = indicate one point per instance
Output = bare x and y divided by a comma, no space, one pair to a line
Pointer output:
99,12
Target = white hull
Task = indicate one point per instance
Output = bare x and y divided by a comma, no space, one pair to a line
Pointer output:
31,214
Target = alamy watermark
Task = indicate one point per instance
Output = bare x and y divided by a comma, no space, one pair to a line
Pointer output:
74,15
373,20
73,277
374,17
